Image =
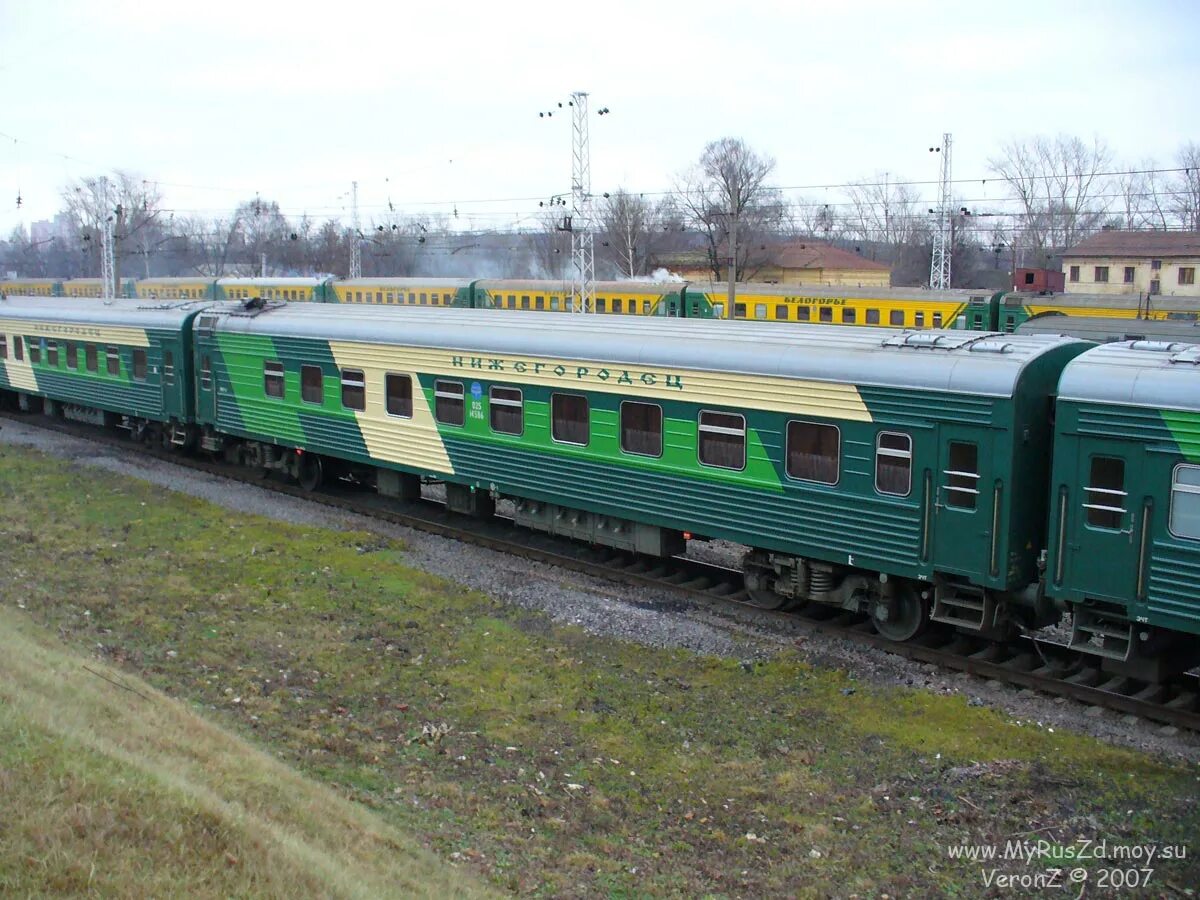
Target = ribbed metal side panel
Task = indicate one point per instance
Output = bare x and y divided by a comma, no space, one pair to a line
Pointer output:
1174,585
1124,422
129,397
872,531
922,407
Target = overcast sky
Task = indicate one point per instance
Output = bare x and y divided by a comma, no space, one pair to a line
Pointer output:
433,105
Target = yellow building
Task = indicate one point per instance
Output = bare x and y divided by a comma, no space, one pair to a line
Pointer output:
795,262
1134,262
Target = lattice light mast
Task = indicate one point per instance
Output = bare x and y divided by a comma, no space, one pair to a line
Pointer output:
355,234
939,263
582,247
108,274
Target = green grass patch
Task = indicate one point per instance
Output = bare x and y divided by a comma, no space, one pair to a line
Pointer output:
554,762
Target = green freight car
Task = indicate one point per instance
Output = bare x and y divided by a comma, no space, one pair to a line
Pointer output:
116,362
1124,550
871,469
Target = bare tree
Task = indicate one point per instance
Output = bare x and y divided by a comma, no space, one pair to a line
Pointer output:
633,228
727,198
1187,187
133,203
1059,184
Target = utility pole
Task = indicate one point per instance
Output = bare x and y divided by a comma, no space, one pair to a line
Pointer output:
355,236
733,220
939,263
107,239
582,248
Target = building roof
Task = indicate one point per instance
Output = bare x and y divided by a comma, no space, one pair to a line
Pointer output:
1138,243
815,255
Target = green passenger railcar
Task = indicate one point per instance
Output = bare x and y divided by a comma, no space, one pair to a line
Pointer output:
868,468
121,360
1124,548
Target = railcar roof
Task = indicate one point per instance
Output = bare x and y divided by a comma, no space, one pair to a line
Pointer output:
1158,302
439,282
1155,374
719,290
601,287
292,281
959,361
144,313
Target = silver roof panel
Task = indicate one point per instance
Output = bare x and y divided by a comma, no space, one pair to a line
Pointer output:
1155,374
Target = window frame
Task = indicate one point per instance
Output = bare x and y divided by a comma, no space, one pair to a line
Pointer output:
1100,275
900,454
956,490
307,369
1091,507
3,346
1073,274
407,379
52,353
518,404
360,384
621,429
439,393
268,374
138,364
1182,489
1189,272
787,452
91,358
720,429
553,419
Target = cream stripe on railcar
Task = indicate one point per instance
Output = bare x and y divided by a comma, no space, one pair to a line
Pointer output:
19,371
413,442
774,394
82,332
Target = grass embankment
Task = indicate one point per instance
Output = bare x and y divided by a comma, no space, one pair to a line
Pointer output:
552,761
112,789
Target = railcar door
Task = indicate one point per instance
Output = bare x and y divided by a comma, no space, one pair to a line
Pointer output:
1103,542
206,393
964,539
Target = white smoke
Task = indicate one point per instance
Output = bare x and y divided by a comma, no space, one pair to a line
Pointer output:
659,275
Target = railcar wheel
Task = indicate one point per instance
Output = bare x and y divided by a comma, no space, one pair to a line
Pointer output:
312,472
766,599
902,616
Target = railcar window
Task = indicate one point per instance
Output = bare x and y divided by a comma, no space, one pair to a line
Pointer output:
168,364
507,410
919,319
422,300
739,310
398,393
645,307
1105,493
312,384
760,310
803,313
354,389
273,378
781,311
850,316
600,305
1185,502
617,305
641,428
631,309
570,422
391,297
814,452
896,317
512,301
448,402
872,317
962,478
206,373
112,362
722,440
524,302
72,356
3,347
893,463
35,351
937,320
825,313
139,364
52,353
554,306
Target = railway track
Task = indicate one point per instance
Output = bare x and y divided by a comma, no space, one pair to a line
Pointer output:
1032,663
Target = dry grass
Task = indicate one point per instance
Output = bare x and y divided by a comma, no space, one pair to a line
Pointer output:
122,791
